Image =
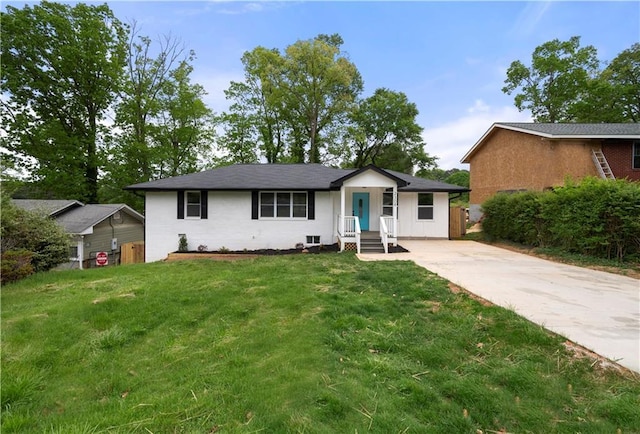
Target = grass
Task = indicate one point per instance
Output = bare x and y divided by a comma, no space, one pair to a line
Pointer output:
299,343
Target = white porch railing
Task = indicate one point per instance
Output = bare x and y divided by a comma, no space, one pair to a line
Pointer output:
384,233
349,230
358,232
390,222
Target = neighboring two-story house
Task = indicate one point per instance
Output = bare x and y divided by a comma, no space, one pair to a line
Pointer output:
536,156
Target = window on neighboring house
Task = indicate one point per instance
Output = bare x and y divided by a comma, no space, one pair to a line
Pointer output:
636,155
73,252
192,204
425,206
283,204
387,202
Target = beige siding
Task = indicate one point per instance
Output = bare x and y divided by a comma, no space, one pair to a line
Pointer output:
510,160
127,230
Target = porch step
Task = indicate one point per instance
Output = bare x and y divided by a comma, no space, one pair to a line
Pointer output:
371,245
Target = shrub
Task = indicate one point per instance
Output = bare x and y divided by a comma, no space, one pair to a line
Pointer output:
513,217
595,217
183,245
16,265
36,233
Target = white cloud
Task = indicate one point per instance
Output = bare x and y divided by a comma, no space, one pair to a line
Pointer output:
451,141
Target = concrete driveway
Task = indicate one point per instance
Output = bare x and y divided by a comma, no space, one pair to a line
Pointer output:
595,309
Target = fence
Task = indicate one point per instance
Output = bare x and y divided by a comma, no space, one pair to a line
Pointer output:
132,253
457,222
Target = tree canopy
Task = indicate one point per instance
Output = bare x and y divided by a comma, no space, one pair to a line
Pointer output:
566,83
62,66
383,131
293,105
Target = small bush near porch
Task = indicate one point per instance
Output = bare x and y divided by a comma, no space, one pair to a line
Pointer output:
295,343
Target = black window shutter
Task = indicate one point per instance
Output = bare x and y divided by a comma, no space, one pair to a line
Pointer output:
180,204
204,204
254,205
311,205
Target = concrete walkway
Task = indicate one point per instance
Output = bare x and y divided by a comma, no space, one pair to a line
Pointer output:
595,309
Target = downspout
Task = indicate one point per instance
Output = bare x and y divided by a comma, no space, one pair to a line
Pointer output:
113,235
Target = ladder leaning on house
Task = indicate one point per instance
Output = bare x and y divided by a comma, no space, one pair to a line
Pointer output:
601,164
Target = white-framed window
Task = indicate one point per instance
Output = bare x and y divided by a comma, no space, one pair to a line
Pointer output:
283,204
192,204
387,202
313,239
636,155
425,206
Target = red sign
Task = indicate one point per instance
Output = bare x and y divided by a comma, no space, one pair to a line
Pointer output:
102,259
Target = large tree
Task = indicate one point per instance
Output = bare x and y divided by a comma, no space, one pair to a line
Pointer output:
320,86
297,101
621,78
383,131
184,132
556,80
62,66
164,127
256,112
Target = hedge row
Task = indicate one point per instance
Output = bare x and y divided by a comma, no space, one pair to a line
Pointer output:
596,217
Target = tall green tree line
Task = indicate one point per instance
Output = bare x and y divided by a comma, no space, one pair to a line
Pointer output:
89,105
305,105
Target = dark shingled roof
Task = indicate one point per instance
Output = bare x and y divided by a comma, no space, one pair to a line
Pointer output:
277,177
79,220
74,216
562,131
577,130
51,207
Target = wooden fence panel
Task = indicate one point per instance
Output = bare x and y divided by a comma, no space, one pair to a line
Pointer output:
457,222
132,253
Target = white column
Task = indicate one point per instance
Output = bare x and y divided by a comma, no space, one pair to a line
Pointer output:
342,209
80,251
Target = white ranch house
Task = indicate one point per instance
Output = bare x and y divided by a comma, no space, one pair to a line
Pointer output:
281,206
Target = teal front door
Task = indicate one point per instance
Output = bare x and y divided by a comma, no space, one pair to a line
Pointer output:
361,209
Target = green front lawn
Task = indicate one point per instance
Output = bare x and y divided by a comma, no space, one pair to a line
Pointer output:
299,343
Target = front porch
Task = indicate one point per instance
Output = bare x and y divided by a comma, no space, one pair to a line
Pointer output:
351,237
369,205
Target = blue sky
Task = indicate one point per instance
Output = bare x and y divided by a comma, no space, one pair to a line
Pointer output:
450,58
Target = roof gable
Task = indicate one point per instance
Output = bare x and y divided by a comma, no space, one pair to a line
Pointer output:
339,182
561,131
82,220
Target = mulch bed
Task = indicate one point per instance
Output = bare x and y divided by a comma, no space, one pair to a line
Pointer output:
233,255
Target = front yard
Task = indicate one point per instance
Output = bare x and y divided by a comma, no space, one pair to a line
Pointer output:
294,343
